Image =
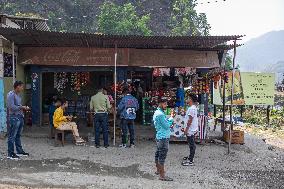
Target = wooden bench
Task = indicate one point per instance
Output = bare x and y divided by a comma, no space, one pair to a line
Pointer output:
62,133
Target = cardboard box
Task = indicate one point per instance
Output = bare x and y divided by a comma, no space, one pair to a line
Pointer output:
237,137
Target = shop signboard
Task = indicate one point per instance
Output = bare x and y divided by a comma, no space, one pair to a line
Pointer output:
82,56
249,89
173,58
238,91
72,56
258,88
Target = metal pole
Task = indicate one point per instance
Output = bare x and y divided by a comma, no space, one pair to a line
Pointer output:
232,98
115,93
13,62
224,98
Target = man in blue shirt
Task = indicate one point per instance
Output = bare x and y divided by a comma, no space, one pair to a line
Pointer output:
127,108
180,95
15,112
162,125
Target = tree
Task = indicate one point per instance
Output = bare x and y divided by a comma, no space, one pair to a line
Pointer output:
122,20
229,62
185,21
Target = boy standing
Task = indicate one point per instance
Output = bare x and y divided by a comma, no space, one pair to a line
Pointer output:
16,121
162,126
191,129
127,108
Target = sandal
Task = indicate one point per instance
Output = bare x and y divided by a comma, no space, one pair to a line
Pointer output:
166,179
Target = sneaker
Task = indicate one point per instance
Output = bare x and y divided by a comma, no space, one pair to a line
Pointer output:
106,146
122,146
187,158
132,146
187,163
98,146
167,179
13,157
23,154
79,140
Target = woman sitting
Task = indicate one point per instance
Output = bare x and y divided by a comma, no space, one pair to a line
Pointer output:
62,122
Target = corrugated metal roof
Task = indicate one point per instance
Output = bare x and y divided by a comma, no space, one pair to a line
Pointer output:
36,38
27,22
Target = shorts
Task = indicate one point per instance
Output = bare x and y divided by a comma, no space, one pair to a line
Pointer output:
162,150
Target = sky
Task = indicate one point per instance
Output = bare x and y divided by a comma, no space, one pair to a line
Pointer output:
250,17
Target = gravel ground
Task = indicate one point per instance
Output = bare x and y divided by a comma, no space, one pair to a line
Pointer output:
253,165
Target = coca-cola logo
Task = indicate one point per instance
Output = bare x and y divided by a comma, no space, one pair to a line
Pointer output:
51,56
71,56
68,56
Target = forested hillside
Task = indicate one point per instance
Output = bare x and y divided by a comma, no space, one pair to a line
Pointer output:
161,17
263,54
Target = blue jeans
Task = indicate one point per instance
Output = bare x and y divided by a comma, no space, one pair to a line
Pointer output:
127,124
16,124
101,121
162,150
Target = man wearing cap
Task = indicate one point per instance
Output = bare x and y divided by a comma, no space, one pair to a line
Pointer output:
100,105
162,125
15,112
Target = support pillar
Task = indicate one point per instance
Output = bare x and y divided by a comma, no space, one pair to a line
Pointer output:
36,94
3,116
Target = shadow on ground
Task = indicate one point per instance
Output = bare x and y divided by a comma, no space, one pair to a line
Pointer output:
74,166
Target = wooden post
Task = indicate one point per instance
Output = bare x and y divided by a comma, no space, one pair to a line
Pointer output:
232,98
231,116
242,110
268,115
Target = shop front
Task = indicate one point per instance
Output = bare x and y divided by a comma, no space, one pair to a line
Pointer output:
75,74
73,66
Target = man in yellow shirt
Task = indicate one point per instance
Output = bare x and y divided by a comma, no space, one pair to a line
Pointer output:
100,105
62,122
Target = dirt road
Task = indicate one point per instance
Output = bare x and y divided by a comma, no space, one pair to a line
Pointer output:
253,165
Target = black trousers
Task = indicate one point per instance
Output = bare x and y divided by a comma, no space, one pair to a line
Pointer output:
127,124
192,147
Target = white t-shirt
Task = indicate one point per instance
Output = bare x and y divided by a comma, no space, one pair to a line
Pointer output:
192,111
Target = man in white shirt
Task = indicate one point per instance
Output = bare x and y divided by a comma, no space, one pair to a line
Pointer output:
191,129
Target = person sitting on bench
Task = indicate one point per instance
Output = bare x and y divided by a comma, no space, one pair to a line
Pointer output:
62,122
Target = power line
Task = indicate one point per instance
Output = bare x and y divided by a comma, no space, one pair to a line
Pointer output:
197,3
210,2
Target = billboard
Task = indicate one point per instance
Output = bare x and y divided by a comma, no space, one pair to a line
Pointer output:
249,89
